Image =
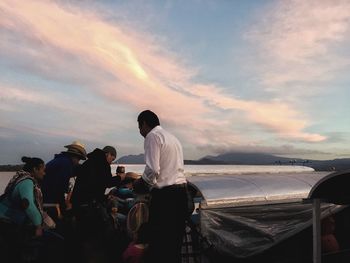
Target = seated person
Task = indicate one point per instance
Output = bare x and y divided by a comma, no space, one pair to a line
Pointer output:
125,194
125,190
329,241
113,210
135,252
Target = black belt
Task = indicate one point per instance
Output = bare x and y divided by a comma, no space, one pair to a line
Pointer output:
171,187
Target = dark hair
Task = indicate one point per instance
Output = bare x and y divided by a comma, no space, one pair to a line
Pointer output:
149,117
110,149
31,163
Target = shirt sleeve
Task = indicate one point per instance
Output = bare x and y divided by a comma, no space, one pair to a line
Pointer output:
25,190
152,157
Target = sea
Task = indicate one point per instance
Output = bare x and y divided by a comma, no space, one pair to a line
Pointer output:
194,170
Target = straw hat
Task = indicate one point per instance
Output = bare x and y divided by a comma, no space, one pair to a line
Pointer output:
132,175
77,149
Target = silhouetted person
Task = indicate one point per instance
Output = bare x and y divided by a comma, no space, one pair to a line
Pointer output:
164,175
94,177
94,225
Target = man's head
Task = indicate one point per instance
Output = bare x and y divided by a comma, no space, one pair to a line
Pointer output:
111,153
76,151
147,120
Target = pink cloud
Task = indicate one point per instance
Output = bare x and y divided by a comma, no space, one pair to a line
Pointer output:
276,116
126,66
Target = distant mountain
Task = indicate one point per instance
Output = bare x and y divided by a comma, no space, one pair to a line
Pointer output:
132,159
237,158
240,158
227,158
139,159
336,164
10,167
269,159
251,158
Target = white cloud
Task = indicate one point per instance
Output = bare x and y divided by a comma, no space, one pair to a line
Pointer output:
298,41
118,64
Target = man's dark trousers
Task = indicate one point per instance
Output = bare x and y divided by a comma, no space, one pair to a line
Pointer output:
168,212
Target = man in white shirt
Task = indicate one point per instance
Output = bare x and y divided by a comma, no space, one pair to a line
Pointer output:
164,176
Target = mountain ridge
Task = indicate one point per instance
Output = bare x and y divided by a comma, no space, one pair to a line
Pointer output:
240,158
235,158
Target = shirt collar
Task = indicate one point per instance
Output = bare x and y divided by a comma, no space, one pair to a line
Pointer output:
157,128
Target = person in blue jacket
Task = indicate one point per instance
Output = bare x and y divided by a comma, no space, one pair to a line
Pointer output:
58,173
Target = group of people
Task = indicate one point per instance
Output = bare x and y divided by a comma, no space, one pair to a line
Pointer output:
91,214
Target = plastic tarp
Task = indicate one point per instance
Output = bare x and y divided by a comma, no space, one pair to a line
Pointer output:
248,230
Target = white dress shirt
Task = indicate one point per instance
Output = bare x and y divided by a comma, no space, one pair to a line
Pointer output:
164,159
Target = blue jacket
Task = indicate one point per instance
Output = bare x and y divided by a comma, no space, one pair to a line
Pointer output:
56,180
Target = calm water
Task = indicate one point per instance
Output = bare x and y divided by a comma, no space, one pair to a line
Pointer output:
4,178
193,170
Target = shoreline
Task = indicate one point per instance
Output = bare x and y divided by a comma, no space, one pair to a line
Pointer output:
10,167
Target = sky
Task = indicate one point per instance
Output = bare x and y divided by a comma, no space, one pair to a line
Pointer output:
223,76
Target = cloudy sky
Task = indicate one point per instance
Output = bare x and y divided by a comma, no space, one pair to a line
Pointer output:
252,76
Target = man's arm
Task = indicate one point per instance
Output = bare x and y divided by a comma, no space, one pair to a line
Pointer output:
152,157
115,180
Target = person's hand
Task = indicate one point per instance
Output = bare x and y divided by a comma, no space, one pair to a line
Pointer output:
111,197
38,231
